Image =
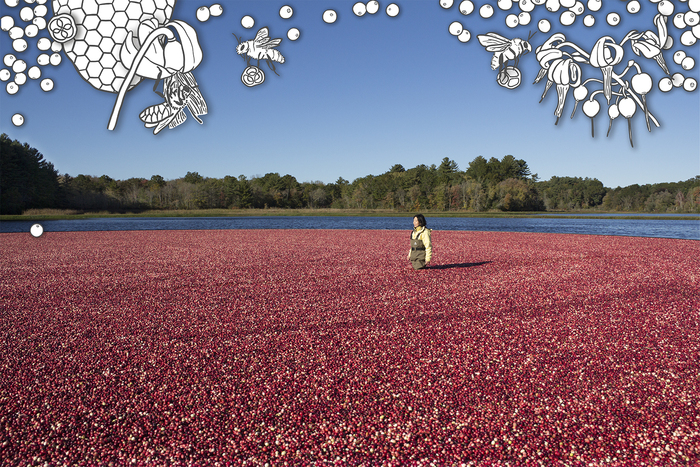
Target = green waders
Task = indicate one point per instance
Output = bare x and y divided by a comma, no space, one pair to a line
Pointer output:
417,252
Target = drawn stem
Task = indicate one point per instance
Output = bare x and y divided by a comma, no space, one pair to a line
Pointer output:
162,31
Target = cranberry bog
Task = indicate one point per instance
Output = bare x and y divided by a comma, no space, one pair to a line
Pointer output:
246,347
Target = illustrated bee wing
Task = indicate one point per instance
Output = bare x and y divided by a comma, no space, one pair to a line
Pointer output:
493,42
263,40
177,119
195,100
158,116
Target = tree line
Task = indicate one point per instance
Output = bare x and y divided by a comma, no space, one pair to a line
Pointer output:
28,181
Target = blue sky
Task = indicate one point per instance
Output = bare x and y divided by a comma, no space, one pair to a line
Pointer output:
359,95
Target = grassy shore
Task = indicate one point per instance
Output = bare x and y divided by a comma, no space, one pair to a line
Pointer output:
67,214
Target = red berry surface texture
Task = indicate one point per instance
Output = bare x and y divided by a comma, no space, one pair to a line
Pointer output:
246,347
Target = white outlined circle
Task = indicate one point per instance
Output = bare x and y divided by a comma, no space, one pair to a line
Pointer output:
46,84
613,19
203,14
36,230
34,72
293,34
18,119
464,36
567,18
247,22
665,8
486,11
286,12
455,28
216,10
7,23
688,63
466,7
595,5
393,10
330,16
665,84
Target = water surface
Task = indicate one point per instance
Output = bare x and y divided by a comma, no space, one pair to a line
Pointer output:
662,228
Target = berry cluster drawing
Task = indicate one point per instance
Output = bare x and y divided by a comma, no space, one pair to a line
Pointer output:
116,44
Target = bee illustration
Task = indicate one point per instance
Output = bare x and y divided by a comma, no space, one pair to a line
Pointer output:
180,90
504,49
261,48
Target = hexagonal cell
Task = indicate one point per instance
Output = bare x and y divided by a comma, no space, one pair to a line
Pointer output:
108,61
80,33
106,45
117,83
120,5
105,28
94,69
90,7
148,6
134,10
106,11
121,70
93,53
78,16
133,25
168,12
161,4
75,4
80,47
146,17
93,37
91,21
161,16
62,10
81,63
107,76
95,82
120,19
119,34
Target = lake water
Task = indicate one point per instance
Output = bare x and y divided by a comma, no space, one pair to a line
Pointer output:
675,228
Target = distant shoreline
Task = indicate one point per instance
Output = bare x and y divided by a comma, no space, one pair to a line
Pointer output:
57,214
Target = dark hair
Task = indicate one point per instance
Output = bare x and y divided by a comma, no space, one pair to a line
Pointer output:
421,219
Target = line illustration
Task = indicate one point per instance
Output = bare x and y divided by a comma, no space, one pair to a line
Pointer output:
114,46
259,48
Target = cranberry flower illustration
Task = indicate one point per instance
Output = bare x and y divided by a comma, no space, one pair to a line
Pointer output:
605,55
650,44
564,72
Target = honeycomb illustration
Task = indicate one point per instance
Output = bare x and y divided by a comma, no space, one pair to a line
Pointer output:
94,40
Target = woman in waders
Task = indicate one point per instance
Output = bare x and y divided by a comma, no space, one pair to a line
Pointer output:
421,247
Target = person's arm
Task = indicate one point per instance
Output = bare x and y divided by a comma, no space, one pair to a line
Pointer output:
428,245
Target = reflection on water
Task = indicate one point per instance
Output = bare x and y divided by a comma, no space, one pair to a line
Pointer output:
685,229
